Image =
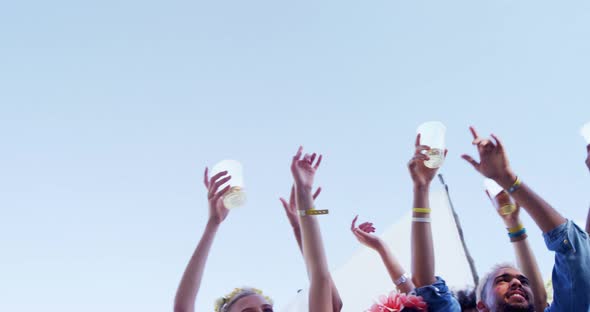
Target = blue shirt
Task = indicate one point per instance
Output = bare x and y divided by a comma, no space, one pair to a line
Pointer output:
571,271
438,297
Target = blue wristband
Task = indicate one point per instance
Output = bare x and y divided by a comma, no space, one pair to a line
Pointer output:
517,234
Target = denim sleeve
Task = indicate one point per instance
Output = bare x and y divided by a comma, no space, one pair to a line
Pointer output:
438,297
571,271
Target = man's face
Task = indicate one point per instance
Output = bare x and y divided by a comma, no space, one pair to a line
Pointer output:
509,291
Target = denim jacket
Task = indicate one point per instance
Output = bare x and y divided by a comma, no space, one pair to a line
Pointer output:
571,272
438,297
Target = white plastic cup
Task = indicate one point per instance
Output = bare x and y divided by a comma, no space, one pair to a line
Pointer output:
236,196
432,133
585,132
492,187
499,197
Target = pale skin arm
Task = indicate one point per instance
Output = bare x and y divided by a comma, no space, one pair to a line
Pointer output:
291,211
524,256
422,245
394,268
494,165
320,293
193,274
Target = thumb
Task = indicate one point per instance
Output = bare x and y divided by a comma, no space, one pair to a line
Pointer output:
470,160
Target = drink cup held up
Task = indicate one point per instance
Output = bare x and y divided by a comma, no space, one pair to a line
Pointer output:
236,196
432,133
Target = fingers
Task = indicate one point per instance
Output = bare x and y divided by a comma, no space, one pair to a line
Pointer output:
367,227
285,204
353,225
446,151
298,154
292,196
215,177
317,193
312,158
318,163
220,194
216,185
417,143
588,148
470,160
421,148
499,144
473,132
206,179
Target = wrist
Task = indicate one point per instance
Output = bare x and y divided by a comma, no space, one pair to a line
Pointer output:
512,223
212,224
421,187
506,180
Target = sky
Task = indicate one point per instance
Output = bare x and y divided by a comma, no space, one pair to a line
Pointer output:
110,111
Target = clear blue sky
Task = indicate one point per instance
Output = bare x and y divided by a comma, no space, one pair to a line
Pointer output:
110,110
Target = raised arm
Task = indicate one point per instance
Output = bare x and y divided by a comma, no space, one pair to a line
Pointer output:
524,254
494,165
422,246
320,294
193,274
394,268
292,215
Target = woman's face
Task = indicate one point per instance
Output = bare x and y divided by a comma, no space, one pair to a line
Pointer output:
252,303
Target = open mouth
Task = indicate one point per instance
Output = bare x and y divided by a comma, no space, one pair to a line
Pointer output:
517,295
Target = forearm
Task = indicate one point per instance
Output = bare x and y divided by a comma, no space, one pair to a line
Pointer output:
588,221
193,274
320,298
528,264
422,246
545,216
395,270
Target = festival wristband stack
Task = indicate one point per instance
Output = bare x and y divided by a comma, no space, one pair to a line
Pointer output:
517,233
515,186
420,219
312,212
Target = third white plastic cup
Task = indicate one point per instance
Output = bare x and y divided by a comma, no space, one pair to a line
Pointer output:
236,196
432,133
499,196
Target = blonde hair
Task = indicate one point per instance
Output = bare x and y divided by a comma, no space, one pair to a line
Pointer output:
224,303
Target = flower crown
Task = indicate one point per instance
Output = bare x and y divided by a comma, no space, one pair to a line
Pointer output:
221,304
397,302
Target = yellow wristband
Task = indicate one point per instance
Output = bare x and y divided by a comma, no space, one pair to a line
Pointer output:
422,210
516,228
312,212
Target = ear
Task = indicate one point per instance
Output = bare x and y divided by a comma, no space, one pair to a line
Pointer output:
481,307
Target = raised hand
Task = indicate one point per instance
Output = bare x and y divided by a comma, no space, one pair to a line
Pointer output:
303,169
421,175
291,207
364,236
217,210
493,161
